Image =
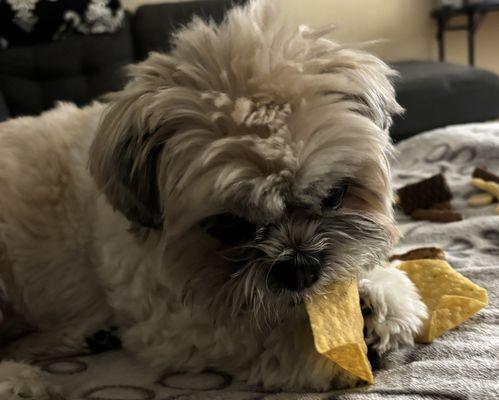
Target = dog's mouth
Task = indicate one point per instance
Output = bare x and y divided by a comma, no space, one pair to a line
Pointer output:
282,266
293,272
262,287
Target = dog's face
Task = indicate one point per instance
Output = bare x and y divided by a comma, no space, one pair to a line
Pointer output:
259,153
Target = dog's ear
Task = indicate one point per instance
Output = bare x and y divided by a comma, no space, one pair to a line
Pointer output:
123,163
126,152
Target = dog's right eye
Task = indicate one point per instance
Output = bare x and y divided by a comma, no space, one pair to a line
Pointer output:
334,199
228,228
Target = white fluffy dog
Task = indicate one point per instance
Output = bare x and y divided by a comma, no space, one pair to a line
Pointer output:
227,182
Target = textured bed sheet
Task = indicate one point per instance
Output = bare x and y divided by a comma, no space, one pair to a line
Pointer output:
462,364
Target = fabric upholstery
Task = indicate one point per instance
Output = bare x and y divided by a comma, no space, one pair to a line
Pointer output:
438,94
82,68
27,22
462,364
77,69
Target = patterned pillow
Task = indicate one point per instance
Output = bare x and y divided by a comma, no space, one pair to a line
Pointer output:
26,22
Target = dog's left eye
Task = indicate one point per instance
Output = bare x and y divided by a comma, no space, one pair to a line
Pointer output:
228,228
335,196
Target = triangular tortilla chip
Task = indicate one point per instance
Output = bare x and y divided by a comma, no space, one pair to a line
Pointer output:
338,328
450,297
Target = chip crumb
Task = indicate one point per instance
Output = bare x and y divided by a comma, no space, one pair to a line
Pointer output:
436,215
435,253
445,205
480,200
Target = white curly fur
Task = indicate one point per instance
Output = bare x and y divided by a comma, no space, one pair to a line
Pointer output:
253,117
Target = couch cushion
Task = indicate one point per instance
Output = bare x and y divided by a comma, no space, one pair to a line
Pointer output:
77,69
153,25
438,94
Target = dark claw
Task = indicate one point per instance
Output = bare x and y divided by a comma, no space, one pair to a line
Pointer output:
103,340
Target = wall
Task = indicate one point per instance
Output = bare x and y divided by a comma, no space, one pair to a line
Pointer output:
404,27
486,44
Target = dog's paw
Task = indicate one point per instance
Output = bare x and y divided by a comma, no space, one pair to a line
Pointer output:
394,312
20,381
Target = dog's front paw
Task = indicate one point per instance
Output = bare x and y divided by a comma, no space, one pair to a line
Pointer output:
20,381
394,312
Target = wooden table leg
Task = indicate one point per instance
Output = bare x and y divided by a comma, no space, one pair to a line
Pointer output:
471,28
441,38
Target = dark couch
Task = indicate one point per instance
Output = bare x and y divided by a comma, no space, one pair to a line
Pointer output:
81,68
438,94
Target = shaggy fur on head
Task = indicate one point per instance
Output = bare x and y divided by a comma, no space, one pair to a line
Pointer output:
262,121
229,181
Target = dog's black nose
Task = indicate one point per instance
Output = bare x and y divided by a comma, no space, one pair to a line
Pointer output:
297,273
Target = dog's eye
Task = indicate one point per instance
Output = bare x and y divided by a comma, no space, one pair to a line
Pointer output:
228,228
335,196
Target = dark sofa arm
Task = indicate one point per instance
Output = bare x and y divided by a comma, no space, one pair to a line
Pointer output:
4,111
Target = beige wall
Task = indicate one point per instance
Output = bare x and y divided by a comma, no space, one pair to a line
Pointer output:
487,44
403,26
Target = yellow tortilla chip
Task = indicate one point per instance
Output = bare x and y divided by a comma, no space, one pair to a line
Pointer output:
450,297
480,200
338,328
488,186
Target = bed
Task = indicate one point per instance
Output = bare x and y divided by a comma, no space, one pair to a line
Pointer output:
462,364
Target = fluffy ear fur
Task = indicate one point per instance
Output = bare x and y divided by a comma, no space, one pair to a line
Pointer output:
125,153
129,180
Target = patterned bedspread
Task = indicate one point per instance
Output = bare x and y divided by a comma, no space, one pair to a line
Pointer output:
462,364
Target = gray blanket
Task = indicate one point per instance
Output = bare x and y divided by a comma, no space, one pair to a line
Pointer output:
462,364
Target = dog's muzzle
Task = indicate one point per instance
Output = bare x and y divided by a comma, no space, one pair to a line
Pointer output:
300,251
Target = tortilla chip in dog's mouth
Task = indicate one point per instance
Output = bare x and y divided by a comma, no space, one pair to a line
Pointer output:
338,328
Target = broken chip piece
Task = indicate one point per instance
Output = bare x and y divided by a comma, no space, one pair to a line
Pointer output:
450,297
436,215
338,328
488,186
